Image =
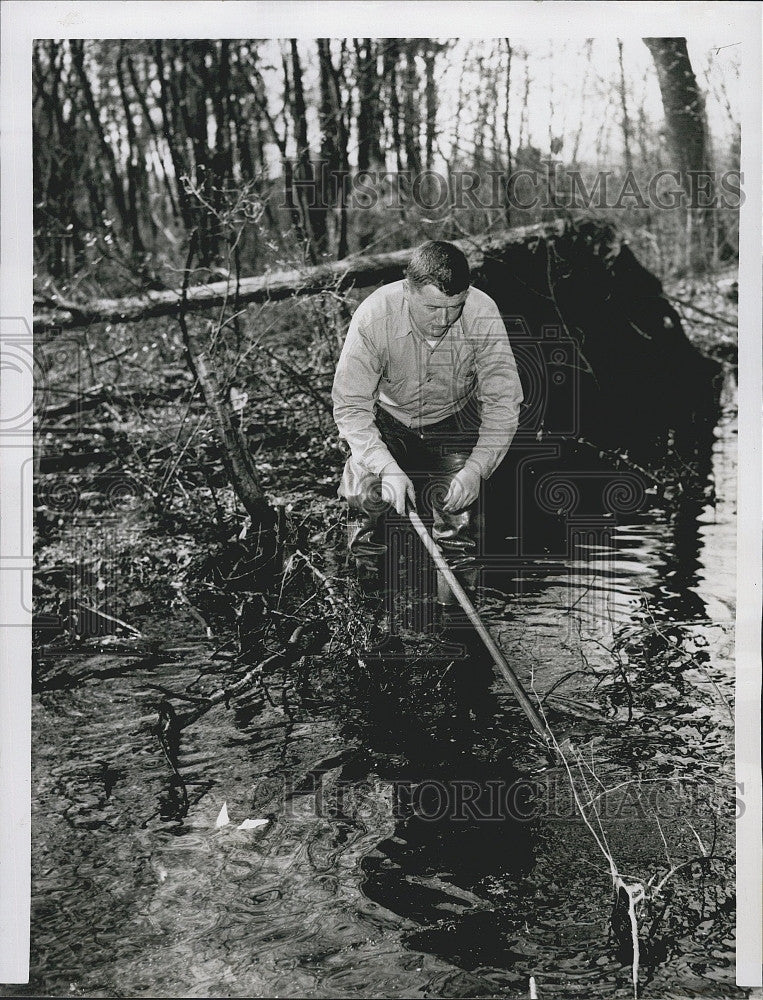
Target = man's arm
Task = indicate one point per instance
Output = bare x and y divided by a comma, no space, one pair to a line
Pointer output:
355,391
500,393
498,390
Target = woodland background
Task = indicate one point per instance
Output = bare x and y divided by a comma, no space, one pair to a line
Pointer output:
167,164
139,142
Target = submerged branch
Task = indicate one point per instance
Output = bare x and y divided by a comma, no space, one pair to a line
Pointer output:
304,640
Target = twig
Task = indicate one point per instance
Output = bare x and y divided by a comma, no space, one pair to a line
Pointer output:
110,618
192,610
303,640
704,312
300,379
339,605
334,598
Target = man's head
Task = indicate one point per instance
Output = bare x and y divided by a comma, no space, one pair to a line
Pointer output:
436,287
440,264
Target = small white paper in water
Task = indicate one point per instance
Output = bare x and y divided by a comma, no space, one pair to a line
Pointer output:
223,819
252,824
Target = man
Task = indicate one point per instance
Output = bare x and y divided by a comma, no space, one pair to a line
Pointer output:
426,390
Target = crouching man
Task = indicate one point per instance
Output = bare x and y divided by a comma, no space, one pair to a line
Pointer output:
426,394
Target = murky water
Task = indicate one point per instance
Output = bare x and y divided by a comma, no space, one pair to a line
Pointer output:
406,856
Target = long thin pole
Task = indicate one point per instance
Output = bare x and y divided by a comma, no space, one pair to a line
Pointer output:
498,658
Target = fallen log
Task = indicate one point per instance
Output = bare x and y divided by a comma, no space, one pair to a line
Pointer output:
351,272
602,354
114,395
73,460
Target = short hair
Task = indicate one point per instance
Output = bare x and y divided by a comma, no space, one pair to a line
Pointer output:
440,264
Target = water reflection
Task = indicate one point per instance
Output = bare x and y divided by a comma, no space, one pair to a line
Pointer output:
617,615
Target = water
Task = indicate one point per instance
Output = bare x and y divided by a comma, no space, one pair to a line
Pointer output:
410,852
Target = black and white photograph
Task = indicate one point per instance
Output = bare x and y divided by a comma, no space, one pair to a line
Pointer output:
381,500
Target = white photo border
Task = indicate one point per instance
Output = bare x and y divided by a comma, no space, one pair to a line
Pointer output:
24,20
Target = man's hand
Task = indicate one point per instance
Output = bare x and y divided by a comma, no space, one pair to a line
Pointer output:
463,491
395,487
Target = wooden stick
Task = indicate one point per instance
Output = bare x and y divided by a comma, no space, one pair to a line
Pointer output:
110,618
498,658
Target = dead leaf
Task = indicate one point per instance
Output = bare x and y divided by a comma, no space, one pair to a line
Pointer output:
252,824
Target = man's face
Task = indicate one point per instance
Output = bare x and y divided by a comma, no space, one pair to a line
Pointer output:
433,312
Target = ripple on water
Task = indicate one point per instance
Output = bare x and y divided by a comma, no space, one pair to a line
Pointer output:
345,894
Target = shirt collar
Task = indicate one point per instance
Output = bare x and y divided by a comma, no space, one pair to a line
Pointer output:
405,328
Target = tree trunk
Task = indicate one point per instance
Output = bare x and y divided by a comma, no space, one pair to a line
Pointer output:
334,166
139,91
329,181
169,128
117,191
482,111
686,130
193,104
507,133
391,56
135,172
682,100
430,94
524,128
242,472
219,85
625,121
313,219
411,116
369,142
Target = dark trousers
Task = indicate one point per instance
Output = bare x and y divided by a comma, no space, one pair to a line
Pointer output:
430,457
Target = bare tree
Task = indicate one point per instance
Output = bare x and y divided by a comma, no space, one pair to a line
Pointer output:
411,115
686,133
369,111
506,132
625,120
334,166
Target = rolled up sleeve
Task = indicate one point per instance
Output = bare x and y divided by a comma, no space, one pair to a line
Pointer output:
354,394
499,392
